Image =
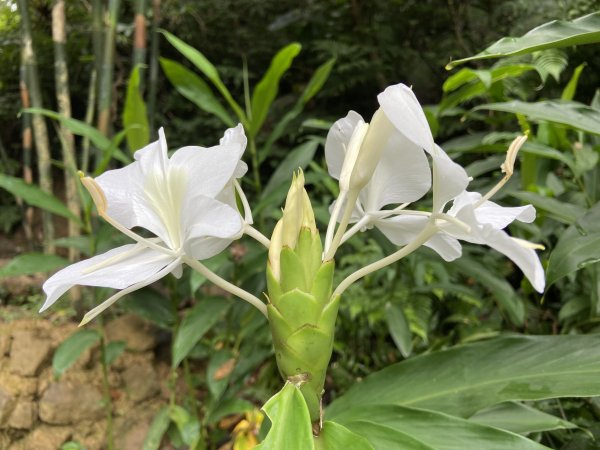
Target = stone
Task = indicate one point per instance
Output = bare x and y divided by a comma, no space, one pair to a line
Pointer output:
141,382
69,402
139,334
46,437
23,416
7,403
28,352
18,386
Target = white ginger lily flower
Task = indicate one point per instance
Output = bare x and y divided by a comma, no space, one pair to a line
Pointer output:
471,218
187,201
383,161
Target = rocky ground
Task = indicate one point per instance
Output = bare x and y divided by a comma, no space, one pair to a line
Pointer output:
40,412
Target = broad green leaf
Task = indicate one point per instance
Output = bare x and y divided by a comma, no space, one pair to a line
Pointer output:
386,437
572,114
569,91
150,305
314,85
290,422
296,158
555,34
157,430
34,196
399,328
195,324
192,87
550,62
334,436
218,372
519,418
563,212
436,430
464,76
266,89
468,378
29,263
72,348
577,247
135,118
209,70
187,425
499,287
113,350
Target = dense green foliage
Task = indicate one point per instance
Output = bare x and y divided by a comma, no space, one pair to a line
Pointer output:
223,63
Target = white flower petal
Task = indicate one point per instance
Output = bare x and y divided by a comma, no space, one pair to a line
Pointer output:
357,212
402,174
525,258
118,268
337,142
237,138
174,266
404,111
401,230
500,217
449,179
210,227
446,246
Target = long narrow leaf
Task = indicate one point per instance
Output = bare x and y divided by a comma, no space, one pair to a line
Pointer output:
192,87
135,118
209,70
34,196
555,34
266,89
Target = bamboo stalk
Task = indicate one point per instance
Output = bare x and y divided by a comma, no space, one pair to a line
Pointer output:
154,50
40,131
107,69
27,142
139,40
61,75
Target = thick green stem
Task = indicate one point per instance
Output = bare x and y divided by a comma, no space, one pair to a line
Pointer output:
154,50
27,141
107,69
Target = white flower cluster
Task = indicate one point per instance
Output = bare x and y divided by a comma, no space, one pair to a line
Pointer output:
188,203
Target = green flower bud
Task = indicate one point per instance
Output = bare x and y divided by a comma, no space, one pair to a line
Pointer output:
301,310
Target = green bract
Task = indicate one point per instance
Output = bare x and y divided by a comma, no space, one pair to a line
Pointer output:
301,309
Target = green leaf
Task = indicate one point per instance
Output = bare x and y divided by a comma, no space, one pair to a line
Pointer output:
572,114
399,328
209,70
158,428
555,34
569,91
464,76
563,212
435,430
218,372
29,263
290,422
187,425
135,118
468,378
195,324
385,437
266,89
314,85
577,247
337,437
34,196
150,305
550,62
499,287
519,418
299,157
192,87
75,126
113,350
72,348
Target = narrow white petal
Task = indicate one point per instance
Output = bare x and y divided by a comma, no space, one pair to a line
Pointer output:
90,315
401,230
525,258
446,246
404,111
117,268
499,216
337,142
449,179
